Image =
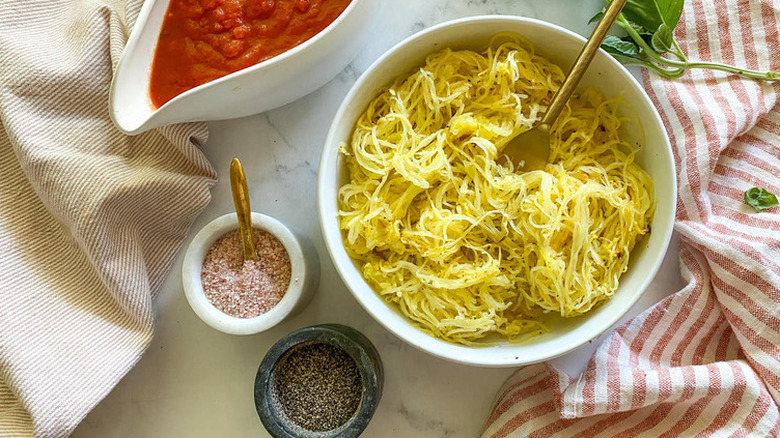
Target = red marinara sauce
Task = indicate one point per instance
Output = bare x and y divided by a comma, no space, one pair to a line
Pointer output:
202,40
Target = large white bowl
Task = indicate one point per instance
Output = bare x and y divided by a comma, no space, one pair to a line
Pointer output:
605,74
261,87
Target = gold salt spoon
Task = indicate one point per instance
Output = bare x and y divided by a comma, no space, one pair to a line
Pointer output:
243,210
532,147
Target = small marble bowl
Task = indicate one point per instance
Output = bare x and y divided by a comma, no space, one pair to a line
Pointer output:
356,345
303,282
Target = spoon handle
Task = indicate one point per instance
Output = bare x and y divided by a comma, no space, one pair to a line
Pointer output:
243,209
582,62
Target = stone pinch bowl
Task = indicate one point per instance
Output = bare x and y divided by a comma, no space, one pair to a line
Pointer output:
353,343
303,282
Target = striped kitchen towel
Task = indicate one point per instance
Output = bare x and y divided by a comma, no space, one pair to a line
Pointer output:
705,361
90,220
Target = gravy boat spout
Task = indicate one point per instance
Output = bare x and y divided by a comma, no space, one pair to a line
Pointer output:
264,86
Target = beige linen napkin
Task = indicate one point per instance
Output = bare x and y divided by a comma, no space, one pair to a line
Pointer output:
90,220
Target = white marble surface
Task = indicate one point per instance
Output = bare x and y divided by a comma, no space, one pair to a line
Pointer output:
194,381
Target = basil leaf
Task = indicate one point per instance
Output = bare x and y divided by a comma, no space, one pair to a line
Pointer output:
651,14
670,11
646,35
639,29
643,13
662,39
613,44
596,17
760,199
630,60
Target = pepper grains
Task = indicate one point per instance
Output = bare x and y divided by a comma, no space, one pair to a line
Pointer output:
318,386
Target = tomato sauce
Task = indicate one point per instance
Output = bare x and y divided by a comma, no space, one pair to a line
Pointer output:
202,40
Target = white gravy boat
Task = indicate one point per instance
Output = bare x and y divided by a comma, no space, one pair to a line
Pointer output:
261,87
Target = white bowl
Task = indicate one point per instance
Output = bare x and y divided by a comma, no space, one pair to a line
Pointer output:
304,278
264,86
605,74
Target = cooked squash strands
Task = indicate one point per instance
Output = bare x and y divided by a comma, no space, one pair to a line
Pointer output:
462,243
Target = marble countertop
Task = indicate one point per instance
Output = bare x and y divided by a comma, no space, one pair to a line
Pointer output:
194,381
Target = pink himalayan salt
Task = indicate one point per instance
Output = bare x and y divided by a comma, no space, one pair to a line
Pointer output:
246,289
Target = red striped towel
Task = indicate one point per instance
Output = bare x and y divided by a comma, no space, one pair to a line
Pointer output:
706,360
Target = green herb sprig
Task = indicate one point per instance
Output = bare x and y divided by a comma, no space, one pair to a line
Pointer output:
650,41
760,199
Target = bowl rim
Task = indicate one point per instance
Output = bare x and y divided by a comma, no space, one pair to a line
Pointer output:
324,194
135,36
192,266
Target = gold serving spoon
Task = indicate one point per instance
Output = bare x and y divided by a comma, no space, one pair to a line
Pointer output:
243,209
533,146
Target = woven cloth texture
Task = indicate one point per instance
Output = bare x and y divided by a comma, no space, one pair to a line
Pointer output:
705,361
90,219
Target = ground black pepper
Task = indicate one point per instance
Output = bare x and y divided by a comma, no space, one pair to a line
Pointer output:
318,386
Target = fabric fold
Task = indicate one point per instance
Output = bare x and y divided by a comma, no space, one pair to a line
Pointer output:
91,219
704,361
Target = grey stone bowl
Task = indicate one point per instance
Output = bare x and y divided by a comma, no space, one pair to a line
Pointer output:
353,343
